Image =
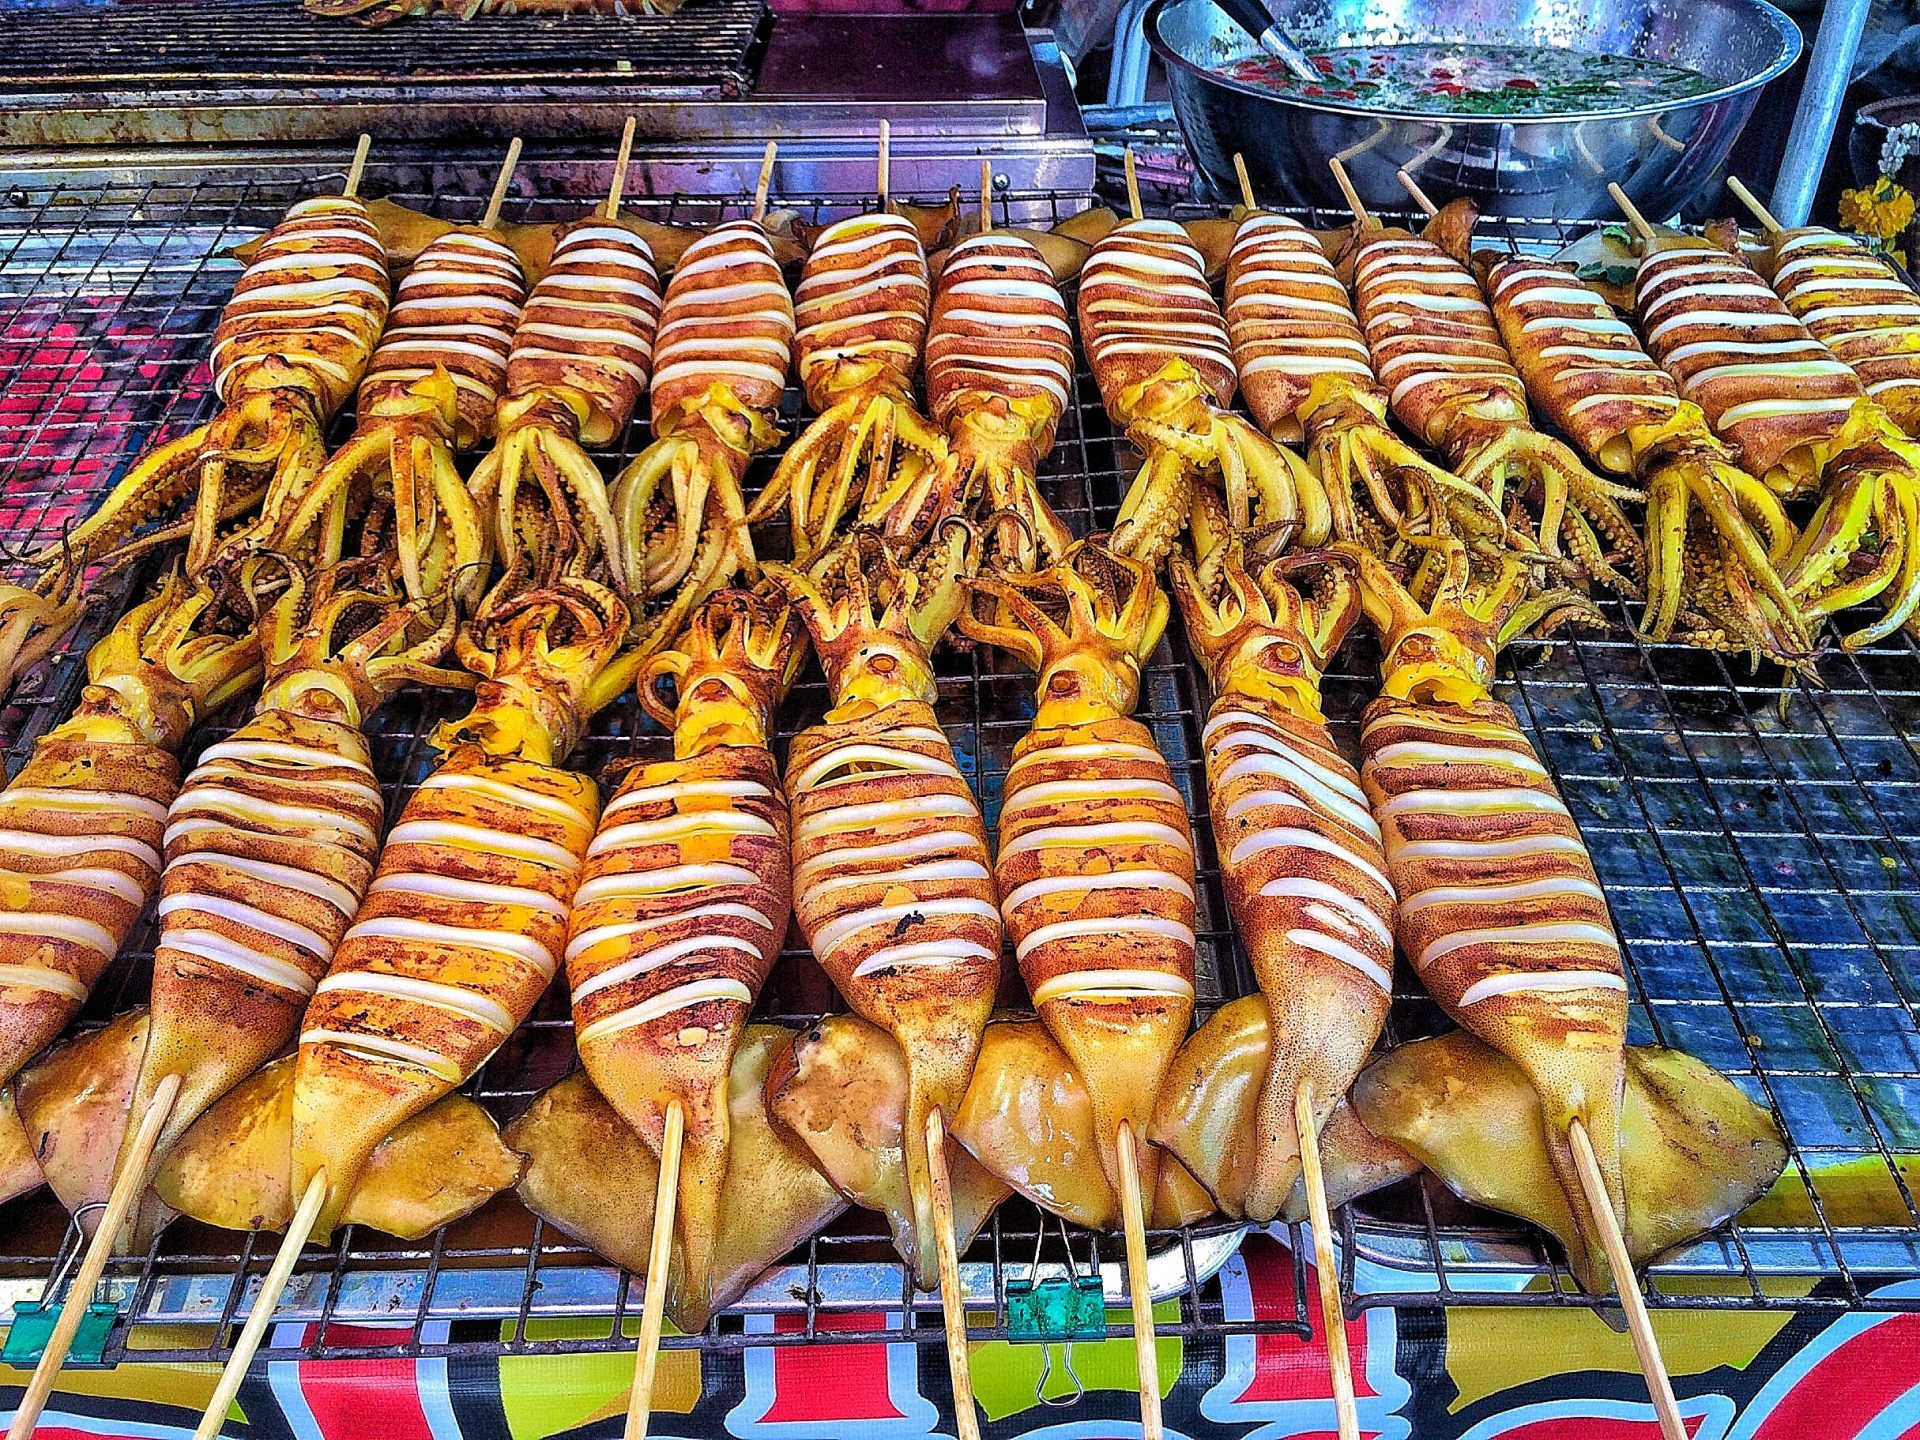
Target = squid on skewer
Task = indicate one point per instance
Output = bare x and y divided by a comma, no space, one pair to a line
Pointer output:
861,307
1798,418
1096,869
1451,382
84,822
721,358
681,908
1301,862
579,363
891,883
291,345
1499,909
1158,347
1585,370
999,377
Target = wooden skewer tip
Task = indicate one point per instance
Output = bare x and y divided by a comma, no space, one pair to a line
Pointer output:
1333,1316
953,1310
1646,1345
617,186
886,165
1419,196
986,195
1345,181
499,196
1639,222
1133,183
358,168
764,185
653,1303
1246,181
1752,201
1133,1221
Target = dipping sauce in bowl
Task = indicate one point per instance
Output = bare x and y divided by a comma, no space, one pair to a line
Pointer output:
1454,79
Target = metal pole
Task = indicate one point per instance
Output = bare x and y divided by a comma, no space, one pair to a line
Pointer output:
1828,70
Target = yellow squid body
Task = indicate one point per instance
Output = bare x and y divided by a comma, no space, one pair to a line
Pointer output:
1500,911
727,320
269,847
1307,884
460,932
457,309
861,305
1144,306
893,891
999,332
1857,307
80,856
1768,388
314,295
1096,878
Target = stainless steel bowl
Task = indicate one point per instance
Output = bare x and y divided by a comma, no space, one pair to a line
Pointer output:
1547,167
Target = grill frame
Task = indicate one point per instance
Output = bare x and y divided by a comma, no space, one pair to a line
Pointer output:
1659,723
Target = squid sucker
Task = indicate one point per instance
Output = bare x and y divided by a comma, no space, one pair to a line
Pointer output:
891,877
861,307
1450,380
1158,348
1096,868
721,357
1301,862
999,377
582,352
681,908
291,345
1499,909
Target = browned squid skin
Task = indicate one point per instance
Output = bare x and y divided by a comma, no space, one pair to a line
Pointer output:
1095,867
581,356
292,343
721,357
1586,371
1158,348
999,376
681,909
890,864
1500,912
1302,865
861,307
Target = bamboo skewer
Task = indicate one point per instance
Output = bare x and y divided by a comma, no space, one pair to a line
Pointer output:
1246,183
986,195
127,1186
357,168
499,196
1412,187
1354,203
1641,226
953,1309
618,184
264,1304
1768,220
886,166
1653,1365
653,1300
1326,1266
1133,184
764,184
1133,1222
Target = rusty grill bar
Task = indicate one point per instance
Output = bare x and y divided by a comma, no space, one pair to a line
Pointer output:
1761,864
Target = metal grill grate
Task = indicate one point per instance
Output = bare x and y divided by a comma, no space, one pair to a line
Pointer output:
1760,863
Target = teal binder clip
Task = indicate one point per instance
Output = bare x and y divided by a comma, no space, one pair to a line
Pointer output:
1056,1310
34,1320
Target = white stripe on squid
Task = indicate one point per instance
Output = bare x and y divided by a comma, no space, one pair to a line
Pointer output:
430,932
1548,982
1337,949
681,997
1571,932
1113,926
651,960
457,999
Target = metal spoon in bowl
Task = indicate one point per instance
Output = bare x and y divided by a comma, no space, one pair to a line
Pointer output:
1250,16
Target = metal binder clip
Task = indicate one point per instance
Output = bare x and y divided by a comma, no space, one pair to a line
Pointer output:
1058,1309
33,1320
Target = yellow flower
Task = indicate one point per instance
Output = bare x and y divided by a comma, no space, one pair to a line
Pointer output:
1882,213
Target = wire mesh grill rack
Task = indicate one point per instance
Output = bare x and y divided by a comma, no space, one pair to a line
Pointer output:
1758,845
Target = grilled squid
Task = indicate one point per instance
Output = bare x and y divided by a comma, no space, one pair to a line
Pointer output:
291,345
430,390
84,822
1798,418
271,842
1451,382
1499,909
999,377
1158,348
465,921
1585,370
1301,862
721,358
1096,869
891,883
681,908
578,366
861,307
1307,377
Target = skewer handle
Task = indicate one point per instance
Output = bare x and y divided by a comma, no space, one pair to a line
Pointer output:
264,1304
1652,1364
1134,1221
1333,1317
764,184
1752,201
1133,183
653,1304
617,186
127,1186
953,1308
886,165
1639,222
1420,197
986,195
1246,181
357,168
1354,203
499,196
